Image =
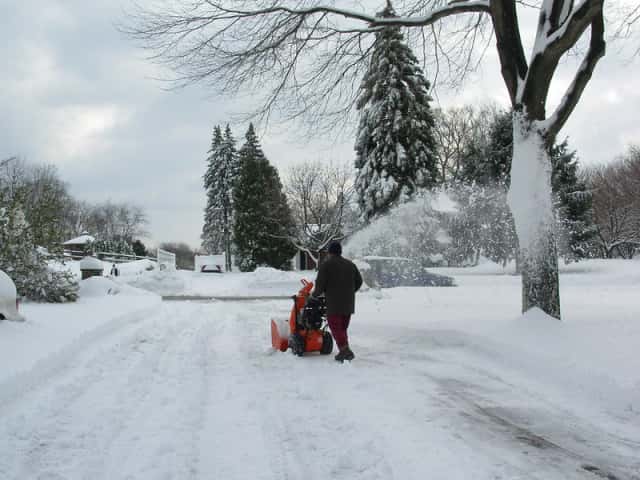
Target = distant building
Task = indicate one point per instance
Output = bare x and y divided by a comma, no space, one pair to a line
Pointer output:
78,245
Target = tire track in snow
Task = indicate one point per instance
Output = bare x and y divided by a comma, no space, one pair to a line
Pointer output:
291,412
64,420
80,415
233,445
164,435
486,405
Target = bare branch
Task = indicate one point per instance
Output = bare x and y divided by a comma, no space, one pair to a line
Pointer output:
303,59
575,90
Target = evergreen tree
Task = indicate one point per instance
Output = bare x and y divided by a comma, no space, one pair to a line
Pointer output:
212,230
139,249
263,223
395,147
110,246
488,161
27,266
573,204
489,165
222,169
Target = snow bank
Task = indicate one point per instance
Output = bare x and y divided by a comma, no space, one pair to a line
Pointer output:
7,287
588,360
91,263
101,286
52,329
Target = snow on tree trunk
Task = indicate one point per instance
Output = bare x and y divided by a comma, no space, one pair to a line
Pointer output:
531,202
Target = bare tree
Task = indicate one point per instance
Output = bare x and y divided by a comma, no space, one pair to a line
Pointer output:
307,57
616,204
457,132
107,221
41,195
320,196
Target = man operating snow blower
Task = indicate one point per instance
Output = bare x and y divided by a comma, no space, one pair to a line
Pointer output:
339,280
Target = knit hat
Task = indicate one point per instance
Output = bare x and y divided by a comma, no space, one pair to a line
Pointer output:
335,248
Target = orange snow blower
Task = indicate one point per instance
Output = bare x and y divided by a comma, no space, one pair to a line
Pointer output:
306,330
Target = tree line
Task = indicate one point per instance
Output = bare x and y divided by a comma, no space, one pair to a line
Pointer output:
306,60
38,214
403,148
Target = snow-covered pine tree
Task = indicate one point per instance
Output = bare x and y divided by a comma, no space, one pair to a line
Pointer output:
213,228
219,179
112,245
395,144
263,223
489,160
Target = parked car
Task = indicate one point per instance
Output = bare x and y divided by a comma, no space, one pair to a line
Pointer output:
9,302
211,269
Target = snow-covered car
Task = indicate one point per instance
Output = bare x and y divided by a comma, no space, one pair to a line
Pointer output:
8,299
211,269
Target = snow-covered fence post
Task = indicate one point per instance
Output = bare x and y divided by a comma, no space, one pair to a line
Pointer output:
166,260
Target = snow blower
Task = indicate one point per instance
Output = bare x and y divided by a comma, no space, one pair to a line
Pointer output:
306,330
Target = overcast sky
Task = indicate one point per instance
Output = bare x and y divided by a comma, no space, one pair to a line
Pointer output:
76,94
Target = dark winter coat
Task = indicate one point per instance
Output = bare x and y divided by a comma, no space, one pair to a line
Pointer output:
339,280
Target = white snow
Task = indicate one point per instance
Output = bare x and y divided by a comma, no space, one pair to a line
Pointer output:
7,287
91,263
529,195
81,240
448,383
441,201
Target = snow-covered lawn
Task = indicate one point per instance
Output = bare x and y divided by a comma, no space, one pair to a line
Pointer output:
448,383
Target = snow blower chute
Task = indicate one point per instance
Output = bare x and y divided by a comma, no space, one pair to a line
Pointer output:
306,330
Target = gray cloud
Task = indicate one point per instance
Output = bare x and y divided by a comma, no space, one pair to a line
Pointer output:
76,94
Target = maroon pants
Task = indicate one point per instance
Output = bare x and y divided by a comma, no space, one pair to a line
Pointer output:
339,325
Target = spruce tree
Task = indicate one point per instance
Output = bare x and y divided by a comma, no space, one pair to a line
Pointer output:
395,147
222,169
573,204
263,224
212,238
490,166
489,162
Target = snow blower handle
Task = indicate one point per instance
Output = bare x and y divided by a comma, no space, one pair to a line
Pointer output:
307,286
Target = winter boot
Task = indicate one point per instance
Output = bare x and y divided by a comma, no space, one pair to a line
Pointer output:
344,354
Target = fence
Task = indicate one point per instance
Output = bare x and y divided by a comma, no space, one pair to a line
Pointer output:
166,260
107,256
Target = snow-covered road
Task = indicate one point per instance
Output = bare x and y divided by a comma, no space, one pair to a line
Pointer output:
193,390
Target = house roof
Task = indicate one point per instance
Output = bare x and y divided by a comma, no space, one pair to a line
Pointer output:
81,240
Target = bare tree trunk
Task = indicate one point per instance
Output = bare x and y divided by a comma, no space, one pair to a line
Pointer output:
540,280
228,264
530,199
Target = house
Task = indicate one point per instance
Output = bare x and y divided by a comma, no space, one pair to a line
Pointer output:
77,246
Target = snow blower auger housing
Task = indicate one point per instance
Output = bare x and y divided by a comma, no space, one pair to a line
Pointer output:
306,330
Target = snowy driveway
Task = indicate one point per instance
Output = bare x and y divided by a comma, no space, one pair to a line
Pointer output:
193,391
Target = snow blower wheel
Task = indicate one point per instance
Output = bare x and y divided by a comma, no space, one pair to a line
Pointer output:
296,342
327,344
